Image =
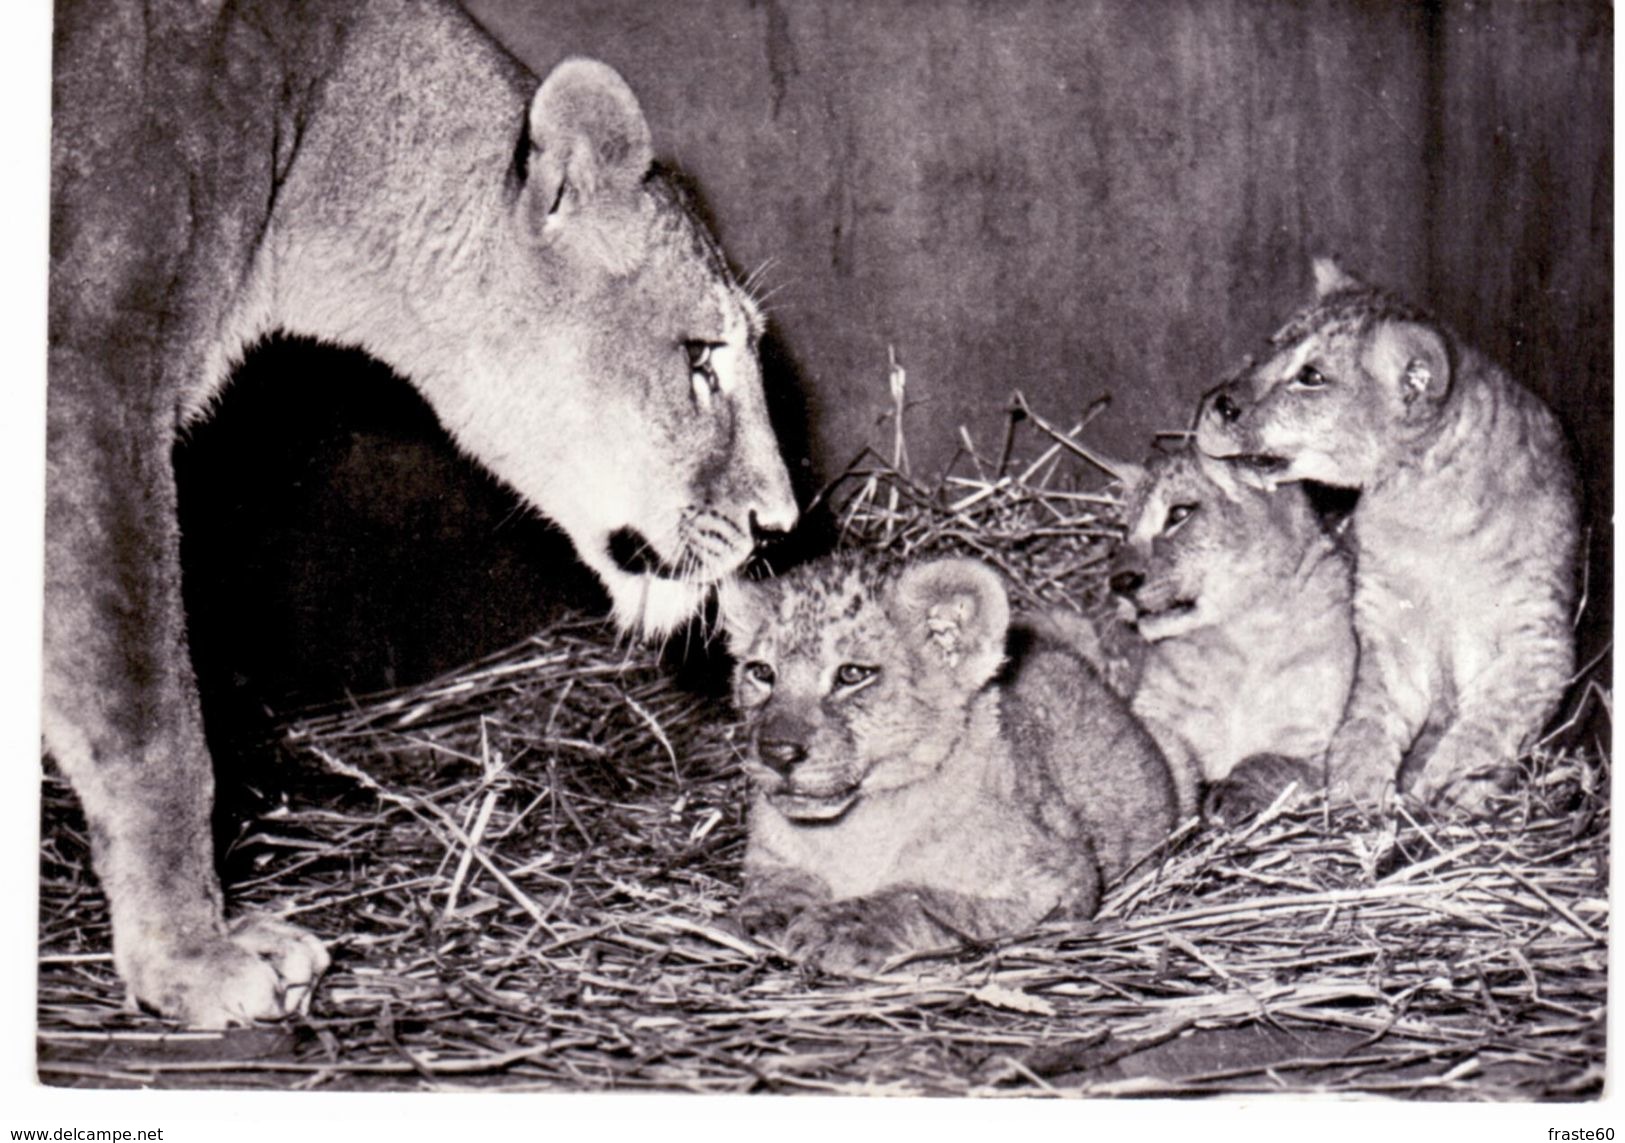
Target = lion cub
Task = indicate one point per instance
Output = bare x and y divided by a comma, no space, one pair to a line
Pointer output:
1244,600
925,770
1465,533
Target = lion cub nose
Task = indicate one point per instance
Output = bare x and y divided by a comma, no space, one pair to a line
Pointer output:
1126,582
1226,407
781,754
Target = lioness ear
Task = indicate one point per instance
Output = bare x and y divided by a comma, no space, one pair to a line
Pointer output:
587,136
1412,360
1331,278
955,615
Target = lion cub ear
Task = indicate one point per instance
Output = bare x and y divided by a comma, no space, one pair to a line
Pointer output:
587,136
1331,278
955,615
1412,361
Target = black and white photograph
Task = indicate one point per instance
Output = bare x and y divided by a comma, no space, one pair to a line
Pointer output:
997,549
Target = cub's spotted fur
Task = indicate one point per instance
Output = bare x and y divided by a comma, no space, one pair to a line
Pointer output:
912,786
1245,601
1465,533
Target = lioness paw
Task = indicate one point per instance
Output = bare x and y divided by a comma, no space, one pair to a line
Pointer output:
297,956
261,969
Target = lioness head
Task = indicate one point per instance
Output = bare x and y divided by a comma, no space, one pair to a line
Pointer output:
609,369
1348,387
1202,546
853,682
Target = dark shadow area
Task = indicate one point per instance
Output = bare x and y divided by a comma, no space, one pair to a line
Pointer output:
791,412
794,422
335,542
1332,505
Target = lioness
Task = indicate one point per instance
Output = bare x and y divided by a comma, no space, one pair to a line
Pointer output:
377,174
1244,599
1465,532
912,786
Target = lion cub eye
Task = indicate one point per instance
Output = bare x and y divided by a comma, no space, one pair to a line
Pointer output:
759,672
852,674
1178,514
702,372
1309,378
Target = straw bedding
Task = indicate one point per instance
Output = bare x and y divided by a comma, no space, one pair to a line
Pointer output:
529,866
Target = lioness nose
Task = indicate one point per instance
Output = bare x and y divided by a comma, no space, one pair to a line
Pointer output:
781,754
1127,582
1226,407
773,524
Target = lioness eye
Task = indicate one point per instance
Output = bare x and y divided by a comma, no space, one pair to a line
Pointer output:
851,674
759,672
702,374
1309,378
1179,513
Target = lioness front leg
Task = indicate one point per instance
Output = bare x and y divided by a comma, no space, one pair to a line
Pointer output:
153,850
123,722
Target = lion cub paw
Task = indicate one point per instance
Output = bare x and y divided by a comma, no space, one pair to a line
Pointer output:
1254,784
1361,767
759,917
1464,776
261,969
855,936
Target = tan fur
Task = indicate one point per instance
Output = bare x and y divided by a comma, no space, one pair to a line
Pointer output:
940,792
1245,601
1465,533
375,173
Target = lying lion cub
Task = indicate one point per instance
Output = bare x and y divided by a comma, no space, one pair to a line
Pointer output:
1465,533
913,788
1244,600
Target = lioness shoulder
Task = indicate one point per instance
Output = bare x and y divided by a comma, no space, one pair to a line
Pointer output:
925,769
1465,533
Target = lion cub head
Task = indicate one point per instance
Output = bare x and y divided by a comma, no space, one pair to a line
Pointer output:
1202,546
854,682
1350,385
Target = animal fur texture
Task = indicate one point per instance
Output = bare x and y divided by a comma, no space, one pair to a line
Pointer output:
377,174
1245,601
925,769
1465,534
